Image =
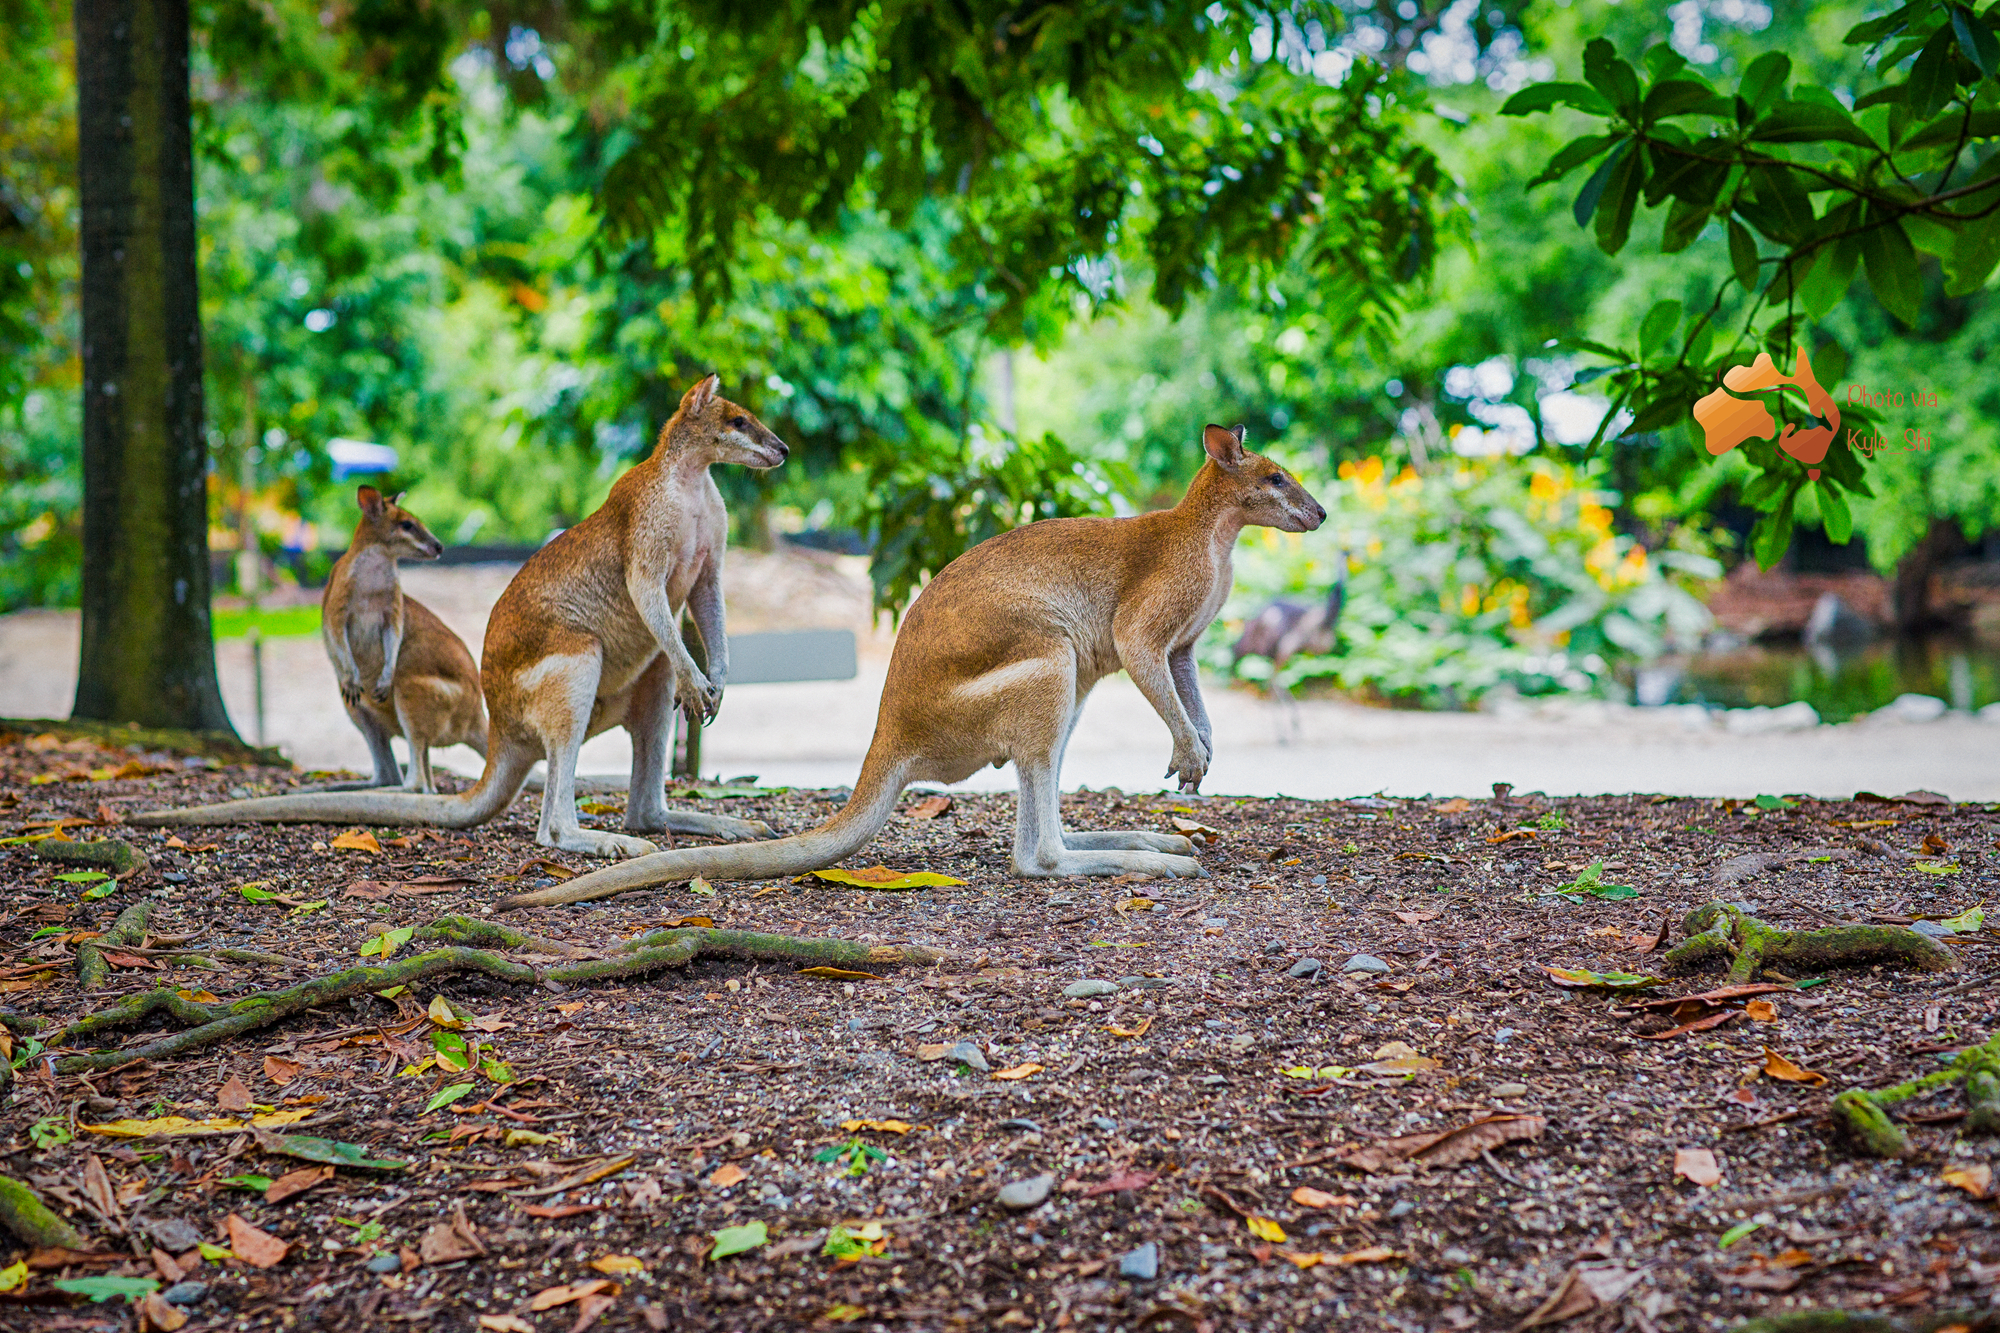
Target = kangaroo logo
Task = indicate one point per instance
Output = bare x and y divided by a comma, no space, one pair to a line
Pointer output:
1728,421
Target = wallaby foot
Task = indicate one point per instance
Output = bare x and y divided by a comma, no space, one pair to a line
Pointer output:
725,827
1112,863
362,784
1135,841
591,842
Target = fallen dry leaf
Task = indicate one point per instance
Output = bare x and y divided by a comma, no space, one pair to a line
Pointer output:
281,1071
1453,1147
1124,1182
881,1126
726,1175
1457,805
589,1308
357,840
1373,1254
838,974
1778,1067
1697,1165
233,1096
1417,918
1263,1228
1305,1196
258,1248
549,1298
930,807
1974,1180
1139,1031
156,1315
618,1264
447,1242
1761,1011
1584,1288
1018,1072
1512,835
1699,1025
97,1187
297,1182
505,1323
1189,826
932,1050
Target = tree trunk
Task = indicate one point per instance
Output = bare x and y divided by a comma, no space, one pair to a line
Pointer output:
1913,607
148,652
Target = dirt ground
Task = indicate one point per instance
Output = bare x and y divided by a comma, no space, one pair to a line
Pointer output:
1191,1182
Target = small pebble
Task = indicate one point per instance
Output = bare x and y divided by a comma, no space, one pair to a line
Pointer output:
1365,962
174,877
1510,1090
384,1263
1105,1123
1309,967
1083,990
1212,1080
1215,922
1021,1126
1933,930
1505,1033
968,1054
1402,1208
1022,1195
1319,881
1145,983
192,1293
1142,1264
1455,1255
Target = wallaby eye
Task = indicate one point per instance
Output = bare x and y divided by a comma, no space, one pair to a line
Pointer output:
1275,479
407,526
738,423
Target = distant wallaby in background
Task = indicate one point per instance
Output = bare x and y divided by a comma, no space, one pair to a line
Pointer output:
994,660
586,638
402,672
1285,628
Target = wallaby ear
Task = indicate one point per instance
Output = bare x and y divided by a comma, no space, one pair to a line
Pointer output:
370,500
1224,446
1237,431
697,399
398,501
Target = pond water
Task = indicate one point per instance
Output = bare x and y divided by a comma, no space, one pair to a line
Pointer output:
1961,670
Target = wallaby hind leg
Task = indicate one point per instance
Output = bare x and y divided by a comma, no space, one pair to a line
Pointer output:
649,720
560,711
1039,840
420,778
1113,840
387,773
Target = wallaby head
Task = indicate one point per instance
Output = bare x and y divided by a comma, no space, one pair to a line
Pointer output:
384,522
1267,495
711,429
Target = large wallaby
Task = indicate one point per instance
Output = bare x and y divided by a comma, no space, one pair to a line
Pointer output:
587,637
993,663
402,672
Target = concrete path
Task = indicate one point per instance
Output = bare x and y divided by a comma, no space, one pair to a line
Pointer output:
816,734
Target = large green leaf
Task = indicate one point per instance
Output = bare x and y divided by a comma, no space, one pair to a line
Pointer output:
1593,189
1778,205
1605,70
1930,81
332,1152
1681,97
1976,40
1809,122
1547,96
1683,225
1892,270
1948,128
1834,266
1743,255
1764,81
1621,201
1834,515
1974,254
1773,533
1658,326
1571,156
1875,29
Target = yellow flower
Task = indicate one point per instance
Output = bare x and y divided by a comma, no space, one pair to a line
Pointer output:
1543,486
1468,600
1632,569
1593,519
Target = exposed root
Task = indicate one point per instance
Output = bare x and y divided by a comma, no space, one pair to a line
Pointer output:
1852,1321
1865,1113
114,856
208,1023
129,928
23,1213
1721,931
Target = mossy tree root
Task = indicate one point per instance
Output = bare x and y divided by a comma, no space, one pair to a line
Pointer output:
1722,931
113,856
23,1213
212,1022
129,928
1852,1321
1865,1113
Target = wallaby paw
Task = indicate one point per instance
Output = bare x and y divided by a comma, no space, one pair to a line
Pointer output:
749,830
591,842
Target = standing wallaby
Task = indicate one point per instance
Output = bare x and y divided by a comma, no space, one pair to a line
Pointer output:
587,637
402,672
993,663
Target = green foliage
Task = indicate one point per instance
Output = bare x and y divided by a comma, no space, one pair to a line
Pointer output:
1833,189
1482,573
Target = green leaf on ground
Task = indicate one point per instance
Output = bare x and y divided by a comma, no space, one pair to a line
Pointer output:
1775,803
736,1240
1591,882
1578,976
83,876
447,1096
248,1182
1966,922
1737,1232
329,1152
108,1288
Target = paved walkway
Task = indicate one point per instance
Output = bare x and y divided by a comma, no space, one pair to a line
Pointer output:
816,734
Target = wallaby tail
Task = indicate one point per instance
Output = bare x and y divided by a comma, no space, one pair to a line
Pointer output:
498,785
874,800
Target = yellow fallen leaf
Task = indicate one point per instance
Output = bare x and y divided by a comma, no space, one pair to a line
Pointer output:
199,996
1139,1031
357,840
617,1264
1974,1180
1306,1260
1018,1071
932,1050
1134,905
505,1323
838,974
1761,1011
1404,1065
1458,805
1778,1067
441,1014
881,877
1189,826
528,1138
1393,1050
726,1175
180,1127
1305,1196
881,1126
1263,1228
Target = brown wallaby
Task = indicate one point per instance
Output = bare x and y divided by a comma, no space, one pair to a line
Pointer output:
402,672
993,663
585,638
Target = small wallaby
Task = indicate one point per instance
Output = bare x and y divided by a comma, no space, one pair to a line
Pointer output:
402,672
585,638
993,663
